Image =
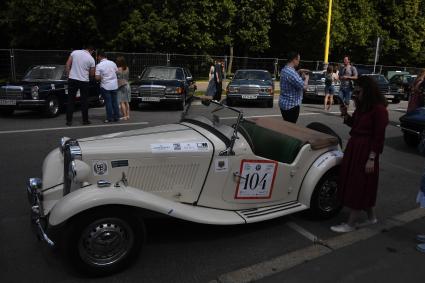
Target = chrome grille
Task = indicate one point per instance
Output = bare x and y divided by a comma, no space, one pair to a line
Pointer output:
249,89
11,92
152,90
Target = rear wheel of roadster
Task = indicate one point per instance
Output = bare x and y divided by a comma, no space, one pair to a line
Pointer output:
104,242
324,203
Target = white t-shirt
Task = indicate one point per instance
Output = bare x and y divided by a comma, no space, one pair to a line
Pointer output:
107,70
82,61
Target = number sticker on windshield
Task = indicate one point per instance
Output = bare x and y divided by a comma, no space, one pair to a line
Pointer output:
256,179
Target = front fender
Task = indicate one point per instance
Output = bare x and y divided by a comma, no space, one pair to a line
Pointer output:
323,164
92,197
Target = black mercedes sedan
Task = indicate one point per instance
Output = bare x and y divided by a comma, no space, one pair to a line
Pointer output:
43,88
163,84
251,85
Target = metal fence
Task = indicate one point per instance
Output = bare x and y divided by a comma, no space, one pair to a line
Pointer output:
15,62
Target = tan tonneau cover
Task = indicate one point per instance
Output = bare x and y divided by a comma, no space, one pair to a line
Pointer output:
317,140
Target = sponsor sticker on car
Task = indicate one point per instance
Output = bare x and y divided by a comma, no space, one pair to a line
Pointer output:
256,179
179,147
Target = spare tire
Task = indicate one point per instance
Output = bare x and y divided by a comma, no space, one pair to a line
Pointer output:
324,129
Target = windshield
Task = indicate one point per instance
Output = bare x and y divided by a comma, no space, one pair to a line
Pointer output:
252,75
317,76
380,79
163,73
45,73
215,116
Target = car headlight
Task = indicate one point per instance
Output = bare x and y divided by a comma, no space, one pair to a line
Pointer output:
400,90
78,171
311,88
233,89
134,88
34,92
268,90
173,90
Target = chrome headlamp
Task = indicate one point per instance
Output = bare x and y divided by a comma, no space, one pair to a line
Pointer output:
71,153
78,171
34,92
62,143
233,89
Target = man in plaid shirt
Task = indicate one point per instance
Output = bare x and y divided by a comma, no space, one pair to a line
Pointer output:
291,89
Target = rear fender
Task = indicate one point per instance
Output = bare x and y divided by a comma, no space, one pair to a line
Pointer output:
321,165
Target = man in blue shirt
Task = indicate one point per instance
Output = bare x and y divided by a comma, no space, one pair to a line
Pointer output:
291,89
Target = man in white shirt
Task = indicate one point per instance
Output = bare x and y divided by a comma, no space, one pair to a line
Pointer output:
106,73
79,67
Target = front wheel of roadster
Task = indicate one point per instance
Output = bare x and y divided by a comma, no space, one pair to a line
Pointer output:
324,203
104,242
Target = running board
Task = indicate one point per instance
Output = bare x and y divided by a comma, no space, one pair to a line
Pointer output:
270,212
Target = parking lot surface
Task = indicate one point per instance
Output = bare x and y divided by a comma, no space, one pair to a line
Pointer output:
178,251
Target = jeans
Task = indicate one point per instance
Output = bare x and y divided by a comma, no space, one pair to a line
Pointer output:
111,104
345,94
73,87
291,115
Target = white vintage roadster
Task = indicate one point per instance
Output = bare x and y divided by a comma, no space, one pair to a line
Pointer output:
213,167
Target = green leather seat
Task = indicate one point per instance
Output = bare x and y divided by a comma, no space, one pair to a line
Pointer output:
270,144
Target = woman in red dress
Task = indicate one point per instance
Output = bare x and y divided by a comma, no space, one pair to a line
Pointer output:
359,173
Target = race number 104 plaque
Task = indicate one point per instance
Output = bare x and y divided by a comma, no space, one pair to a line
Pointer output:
256,179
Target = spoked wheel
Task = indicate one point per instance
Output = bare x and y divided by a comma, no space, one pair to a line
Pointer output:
52,107
103,245
324,202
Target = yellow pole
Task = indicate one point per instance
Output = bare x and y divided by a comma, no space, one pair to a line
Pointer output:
328,32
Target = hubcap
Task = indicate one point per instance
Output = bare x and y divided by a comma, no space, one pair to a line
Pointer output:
328,195
105,242
53,106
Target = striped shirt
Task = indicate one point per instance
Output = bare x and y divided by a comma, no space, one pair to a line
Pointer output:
291,88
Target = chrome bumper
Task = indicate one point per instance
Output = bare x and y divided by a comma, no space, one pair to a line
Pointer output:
37,218
409,130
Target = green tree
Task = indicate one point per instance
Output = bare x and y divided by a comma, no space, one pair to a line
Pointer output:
252,25
404,23
51,24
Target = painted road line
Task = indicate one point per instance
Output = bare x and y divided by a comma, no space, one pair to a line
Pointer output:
292,259
72,128
302,231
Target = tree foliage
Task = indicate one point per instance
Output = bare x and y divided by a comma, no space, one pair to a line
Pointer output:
251,28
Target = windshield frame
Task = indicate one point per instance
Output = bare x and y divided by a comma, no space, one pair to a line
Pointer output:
214,126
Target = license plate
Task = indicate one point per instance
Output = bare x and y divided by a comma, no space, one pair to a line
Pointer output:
249,97
7,102
151,99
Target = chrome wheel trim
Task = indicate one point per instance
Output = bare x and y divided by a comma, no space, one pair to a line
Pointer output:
105,242
327,200
53,106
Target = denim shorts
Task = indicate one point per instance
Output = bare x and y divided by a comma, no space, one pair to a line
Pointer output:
330,89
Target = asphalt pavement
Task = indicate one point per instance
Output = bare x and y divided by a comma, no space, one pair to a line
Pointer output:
184,252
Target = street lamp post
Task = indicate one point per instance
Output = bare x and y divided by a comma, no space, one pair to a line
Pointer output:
328,32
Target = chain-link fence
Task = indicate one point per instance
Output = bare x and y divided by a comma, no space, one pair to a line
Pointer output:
15,62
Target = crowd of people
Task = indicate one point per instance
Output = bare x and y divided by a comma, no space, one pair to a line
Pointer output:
114,84
359,170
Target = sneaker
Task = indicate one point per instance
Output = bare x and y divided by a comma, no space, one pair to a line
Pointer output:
86,122
69,124
368,222
421,247
420,238
343,228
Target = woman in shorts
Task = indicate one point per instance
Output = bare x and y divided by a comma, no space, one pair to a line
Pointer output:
124,91
330,79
